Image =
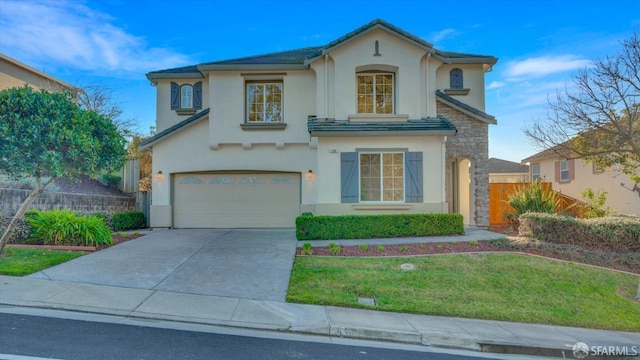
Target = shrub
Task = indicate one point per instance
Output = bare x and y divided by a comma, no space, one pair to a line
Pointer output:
610,233
532,198
377,226
21,232
364,247
106,217
111,180
595,204
65,227
306,249
128,220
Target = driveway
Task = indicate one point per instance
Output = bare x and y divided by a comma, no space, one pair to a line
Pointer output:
252,263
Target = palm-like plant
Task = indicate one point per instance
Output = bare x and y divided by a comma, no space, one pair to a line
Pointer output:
532,198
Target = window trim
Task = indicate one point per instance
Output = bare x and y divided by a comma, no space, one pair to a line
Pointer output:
182,88
253,124
533,173
381,177
373,73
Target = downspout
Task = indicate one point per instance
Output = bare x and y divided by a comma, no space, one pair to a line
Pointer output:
326,86
427,86
445,207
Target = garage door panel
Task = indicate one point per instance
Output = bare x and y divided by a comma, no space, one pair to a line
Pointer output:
236,200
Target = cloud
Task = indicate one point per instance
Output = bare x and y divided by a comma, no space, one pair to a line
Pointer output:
543,66
496,85
439,35
71,34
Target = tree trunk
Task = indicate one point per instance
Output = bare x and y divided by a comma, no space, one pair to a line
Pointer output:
23,208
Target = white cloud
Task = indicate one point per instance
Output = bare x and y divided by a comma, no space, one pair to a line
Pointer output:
543,66
72,34
439,35
496,85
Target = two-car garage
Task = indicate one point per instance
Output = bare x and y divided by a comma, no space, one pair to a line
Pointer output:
236,200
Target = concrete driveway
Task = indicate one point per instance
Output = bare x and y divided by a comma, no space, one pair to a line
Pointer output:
252,263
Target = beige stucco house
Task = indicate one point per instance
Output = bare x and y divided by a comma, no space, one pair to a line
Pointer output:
377,121
14,73
571,176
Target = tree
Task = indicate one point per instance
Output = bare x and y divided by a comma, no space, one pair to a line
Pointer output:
599,120
46,135
100,99
144,161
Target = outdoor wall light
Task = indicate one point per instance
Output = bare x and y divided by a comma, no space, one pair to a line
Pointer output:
160,172
310,174
160,175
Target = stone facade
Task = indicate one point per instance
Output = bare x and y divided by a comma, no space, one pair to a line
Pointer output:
471,142
12,199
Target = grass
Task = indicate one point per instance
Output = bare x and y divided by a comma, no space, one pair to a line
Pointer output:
486,286
19,262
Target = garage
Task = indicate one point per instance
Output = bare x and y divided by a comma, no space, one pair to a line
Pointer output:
236,200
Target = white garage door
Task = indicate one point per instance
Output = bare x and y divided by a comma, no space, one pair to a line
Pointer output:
236,200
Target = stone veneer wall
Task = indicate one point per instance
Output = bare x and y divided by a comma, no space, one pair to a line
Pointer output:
472,142
12,199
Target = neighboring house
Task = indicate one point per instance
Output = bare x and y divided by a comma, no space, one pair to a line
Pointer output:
571,176
504,171
13,73
377,121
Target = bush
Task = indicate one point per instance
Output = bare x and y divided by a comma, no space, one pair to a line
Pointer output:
111,180
106,217
609,233
65,227
128,220
532,198
377,226
21,232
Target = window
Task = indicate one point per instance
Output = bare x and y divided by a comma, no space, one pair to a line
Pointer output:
375,93
455,79
264,102
381,176
564,170
535,172
186,97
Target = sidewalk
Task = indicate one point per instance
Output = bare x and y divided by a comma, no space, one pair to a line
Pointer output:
479,335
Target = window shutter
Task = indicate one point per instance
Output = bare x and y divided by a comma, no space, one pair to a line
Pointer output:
557,171
572,170
413,184
175,96
349,177
197,95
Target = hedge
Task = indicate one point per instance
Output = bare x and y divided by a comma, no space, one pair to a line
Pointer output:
128,220
377,226
609,233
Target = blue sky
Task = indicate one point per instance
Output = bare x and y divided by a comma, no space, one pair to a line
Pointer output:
540,44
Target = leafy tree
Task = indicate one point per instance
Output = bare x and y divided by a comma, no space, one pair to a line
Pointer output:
599,120
144,159
47,135
595,204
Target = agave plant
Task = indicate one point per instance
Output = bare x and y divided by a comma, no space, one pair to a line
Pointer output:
532,198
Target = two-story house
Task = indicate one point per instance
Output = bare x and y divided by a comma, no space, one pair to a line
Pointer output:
14,73
377,121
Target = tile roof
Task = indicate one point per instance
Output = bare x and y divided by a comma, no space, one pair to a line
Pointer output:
499,166
478,114
434,126
150,141
297,56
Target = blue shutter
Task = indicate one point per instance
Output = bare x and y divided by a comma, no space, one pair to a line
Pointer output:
197,95
175,96
349,177
413,177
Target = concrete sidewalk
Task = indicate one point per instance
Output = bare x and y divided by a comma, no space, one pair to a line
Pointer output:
480,335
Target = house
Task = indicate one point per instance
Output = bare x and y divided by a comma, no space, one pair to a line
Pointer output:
504,171
570,176
376,121
14,73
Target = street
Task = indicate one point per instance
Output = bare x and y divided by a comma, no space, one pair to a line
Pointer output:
48,337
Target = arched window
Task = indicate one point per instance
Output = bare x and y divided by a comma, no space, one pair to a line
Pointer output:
455,79
186,96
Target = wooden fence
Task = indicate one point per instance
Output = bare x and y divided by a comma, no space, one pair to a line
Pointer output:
499,206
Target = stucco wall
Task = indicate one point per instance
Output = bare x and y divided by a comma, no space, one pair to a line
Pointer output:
473,79
12,199
165,117
12,75
471,142
623,200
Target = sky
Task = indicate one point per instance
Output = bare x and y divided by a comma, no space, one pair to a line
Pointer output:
114,43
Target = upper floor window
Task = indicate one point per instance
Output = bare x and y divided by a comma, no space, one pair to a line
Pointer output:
375,93
264,102
564,170
186,98
455,79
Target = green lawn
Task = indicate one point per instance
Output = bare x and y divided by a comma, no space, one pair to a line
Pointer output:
19,262
488,286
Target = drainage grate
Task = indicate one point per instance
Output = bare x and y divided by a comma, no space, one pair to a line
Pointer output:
407,267
367,301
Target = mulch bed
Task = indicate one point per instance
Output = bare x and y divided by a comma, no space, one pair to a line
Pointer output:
594,257
117,239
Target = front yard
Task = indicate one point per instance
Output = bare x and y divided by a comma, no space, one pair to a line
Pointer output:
505,287
24,261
